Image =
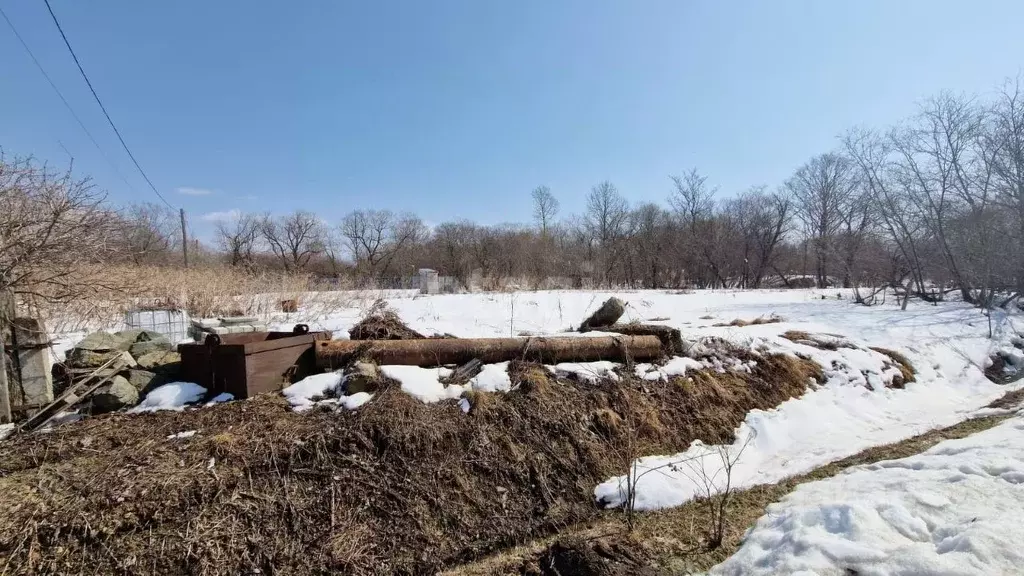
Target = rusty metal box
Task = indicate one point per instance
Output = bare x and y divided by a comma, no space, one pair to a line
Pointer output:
251,363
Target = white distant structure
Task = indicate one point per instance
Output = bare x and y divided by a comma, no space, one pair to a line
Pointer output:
429,283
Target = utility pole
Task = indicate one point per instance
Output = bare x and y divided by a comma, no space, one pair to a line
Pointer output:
184,236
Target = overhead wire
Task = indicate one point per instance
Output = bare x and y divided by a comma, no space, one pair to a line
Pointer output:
60,95
102,107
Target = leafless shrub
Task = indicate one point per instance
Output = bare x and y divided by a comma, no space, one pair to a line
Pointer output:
54,232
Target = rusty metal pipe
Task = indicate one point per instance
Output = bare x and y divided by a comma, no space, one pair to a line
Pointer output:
436,352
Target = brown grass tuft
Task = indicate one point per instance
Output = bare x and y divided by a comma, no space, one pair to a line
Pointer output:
382,323
739,322
907,372
821,341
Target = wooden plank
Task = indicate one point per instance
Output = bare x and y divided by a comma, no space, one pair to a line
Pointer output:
278,343
74,394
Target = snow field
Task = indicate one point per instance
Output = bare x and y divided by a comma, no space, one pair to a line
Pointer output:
953,509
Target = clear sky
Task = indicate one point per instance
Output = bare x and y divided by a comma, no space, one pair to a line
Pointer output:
458,108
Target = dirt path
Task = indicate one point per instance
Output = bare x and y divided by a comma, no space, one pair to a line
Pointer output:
674,541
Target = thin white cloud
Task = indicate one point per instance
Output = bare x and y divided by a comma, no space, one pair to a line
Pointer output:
222,216
248,198
189,191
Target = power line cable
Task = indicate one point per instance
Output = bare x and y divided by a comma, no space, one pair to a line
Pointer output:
64,100
102,107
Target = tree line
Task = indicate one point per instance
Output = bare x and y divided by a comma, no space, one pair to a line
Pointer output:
931,205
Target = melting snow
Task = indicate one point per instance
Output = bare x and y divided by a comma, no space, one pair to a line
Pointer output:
493,378
424,383
586,371
354,401
674,367
301,395
173,396
182,435
222,397
954,509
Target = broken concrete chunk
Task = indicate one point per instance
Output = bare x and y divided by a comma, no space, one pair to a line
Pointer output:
99,341
235,320
160,361
143,380
119,393
84,358
144,347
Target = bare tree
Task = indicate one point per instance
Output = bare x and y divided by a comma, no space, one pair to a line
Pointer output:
454,242
54,233
761,221
606,217
545,208
238,236
1006,145
889,189
650,227
703,235
822,190
294,239
938,161
376,237
149,232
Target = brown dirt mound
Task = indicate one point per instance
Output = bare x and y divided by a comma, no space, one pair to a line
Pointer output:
382,323
398,487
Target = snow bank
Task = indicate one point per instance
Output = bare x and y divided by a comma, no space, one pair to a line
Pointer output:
954,509
173,396
852,411
301,395
6,430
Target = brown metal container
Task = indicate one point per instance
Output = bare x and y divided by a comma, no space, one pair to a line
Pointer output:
251,363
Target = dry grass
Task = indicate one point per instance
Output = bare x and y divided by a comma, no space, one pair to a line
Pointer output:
205,291
902,363
397,487
740,323
821,341
674,541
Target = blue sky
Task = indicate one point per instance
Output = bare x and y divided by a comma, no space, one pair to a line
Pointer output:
458,108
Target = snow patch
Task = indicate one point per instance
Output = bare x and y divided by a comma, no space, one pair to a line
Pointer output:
353,401
303,394
676,366
588,372
492,378
953,509
222,397
424,383
173,396
182,435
